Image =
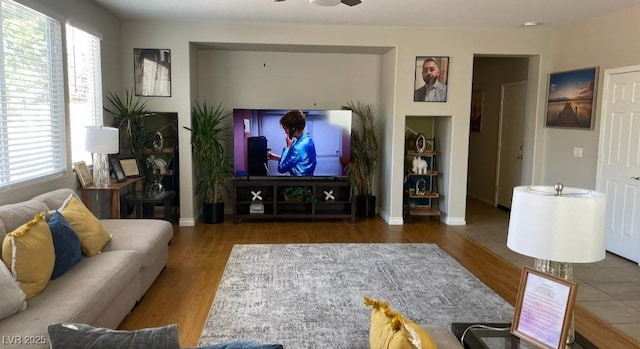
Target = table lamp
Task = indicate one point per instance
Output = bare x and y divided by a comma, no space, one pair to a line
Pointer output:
101,141
558,226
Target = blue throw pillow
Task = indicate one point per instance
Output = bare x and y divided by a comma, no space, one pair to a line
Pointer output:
242,345
66,244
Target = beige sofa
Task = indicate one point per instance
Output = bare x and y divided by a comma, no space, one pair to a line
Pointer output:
99,290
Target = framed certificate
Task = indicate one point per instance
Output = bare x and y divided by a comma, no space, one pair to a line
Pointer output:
130,167
544,309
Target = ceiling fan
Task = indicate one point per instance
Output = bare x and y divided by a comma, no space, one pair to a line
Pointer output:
331,2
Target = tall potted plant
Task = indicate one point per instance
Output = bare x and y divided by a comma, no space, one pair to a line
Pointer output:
364,156
213,168
128,116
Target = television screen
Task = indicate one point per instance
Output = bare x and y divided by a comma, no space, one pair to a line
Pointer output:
260,143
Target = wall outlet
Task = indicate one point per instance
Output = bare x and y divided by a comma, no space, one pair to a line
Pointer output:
577,152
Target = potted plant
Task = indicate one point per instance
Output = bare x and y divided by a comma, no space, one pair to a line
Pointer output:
364,156
301,194
213,168
128,116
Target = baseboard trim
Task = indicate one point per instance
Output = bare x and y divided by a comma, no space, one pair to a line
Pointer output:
186,222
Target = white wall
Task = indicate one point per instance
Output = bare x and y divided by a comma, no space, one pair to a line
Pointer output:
93,19
395,95
609,41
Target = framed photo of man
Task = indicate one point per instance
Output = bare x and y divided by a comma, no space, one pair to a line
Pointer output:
431,77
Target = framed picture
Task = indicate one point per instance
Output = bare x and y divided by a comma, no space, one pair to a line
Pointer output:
544,309
82,171
477,103
431,74
571,98
152,72
130,167
116,167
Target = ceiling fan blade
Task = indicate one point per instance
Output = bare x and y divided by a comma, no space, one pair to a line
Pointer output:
351,2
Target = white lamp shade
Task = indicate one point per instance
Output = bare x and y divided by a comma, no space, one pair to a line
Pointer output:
101,140
566,228
325,2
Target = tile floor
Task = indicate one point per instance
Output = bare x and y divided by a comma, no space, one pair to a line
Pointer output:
610,289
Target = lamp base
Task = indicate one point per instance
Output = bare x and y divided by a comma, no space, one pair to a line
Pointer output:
101,177
564,271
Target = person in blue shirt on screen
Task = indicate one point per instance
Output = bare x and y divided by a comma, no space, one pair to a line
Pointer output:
299,156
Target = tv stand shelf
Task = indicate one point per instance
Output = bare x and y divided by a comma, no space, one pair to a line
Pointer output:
270,202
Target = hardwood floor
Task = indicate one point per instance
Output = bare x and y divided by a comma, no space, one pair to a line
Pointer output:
184,291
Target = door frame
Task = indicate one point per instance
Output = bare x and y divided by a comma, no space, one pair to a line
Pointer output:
500,123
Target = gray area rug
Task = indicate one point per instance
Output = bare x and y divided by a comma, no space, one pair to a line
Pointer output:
311,295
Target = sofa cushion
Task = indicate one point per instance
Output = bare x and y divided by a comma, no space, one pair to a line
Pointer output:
390,330
66,245
29,255
148,237
12,298
92,234
80,336
81,295
15,215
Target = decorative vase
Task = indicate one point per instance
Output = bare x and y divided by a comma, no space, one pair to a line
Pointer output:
421,186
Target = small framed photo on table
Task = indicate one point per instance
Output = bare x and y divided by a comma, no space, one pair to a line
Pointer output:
84,176
116,167
130,167
544,309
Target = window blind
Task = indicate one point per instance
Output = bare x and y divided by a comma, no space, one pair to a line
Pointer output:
85,88
32,119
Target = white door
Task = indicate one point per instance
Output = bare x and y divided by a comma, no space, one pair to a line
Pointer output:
511,140
619,160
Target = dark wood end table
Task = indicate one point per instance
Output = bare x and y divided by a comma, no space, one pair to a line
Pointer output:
141,198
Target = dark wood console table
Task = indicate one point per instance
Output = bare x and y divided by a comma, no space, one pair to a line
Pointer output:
262,198
491,337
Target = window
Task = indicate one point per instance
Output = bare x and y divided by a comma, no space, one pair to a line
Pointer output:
32,113
85,88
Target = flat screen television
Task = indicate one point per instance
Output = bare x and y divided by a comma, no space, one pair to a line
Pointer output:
258,131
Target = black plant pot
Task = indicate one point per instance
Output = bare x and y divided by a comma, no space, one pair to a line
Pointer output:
365,206
213,213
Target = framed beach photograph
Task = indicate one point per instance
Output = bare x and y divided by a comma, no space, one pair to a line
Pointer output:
116,167
82,171
152,72
544,309
571,98
431,76
477,103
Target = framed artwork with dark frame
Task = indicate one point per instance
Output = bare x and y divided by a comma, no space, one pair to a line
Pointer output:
571,98
431,76
116,167
152,72
544,309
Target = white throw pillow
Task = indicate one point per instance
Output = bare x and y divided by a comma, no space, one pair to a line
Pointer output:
12,299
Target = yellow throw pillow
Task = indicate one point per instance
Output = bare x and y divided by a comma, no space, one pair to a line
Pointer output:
29,254
390,330
93,236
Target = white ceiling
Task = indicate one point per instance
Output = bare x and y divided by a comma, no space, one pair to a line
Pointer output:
429,13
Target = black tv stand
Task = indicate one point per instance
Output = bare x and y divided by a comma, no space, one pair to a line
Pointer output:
336,203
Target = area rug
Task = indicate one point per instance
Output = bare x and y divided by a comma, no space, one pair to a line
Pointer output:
311,295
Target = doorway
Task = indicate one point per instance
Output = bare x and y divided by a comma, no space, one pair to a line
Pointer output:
490,73
618,166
